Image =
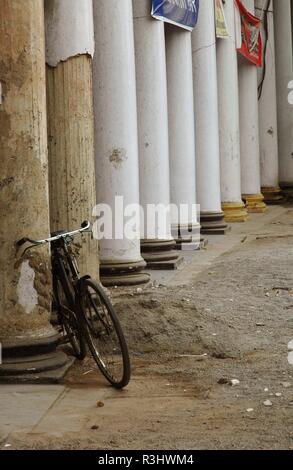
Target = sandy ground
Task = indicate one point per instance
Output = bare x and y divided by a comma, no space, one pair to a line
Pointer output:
234,320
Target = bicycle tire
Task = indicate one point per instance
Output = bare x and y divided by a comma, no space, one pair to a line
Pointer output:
95,337
71,322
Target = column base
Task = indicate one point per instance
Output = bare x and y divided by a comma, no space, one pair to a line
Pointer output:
272,195
234,212
160,254
213,223
123,274
187,237
287,190
192,245
33,360
255,203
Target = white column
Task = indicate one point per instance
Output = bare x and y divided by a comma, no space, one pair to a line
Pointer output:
268,128
181,130
207,121
229,122
152,128
249,133
116,132
284,72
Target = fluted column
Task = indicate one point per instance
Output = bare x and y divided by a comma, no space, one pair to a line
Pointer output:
207,121
157,249
249,132
69,52
232,204
28,340
284,72
115,110
268,128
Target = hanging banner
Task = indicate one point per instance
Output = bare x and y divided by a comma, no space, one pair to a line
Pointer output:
251,42
221,24
183,13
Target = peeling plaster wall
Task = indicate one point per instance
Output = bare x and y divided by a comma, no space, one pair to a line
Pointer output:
66,34
26,292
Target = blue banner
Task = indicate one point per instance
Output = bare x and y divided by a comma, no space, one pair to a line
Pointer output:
183,13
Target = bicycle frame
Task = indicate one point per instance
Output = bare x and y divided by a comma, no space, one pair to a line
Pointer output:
65,269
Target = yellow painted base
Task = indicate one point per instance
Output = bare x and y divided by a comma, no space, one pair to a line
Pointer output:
255,203
272,195
234,212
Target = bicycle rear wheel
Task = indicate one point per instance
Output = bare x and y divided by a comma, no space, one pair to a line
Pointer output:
104,334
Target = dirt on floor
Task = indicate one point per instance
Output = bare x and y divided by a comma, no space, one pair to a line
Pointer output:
233,321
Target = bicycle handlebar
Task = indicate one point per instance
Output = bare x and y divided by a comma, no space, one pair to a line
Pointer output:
85,226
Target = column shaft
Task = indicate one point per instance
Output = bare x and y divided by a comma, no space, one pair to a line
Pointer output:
115,110
229,122
207,121
27,338
284,73
69,51
181,133
249,132
268,128
153,131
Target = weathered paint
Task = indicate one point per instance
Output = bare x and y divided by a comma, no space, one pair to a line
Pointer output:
69,30
71,154
234,212
23,169
26,292
255,203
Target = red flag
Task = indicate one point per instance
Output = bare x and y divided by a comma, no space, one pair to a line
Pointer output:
251,47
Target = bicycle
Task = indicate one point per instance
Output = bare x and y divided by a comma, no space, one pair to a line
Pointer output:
85,314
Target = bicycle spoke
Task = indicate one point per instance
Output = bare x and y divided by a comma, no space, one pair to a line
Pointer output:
68,321
104,336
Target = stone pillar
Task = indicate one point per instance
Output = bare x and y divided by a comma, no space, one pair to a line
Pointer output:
207,121
249,133
27,338
116,134
268,128
181,133
69,52
153,130
232,203
284,72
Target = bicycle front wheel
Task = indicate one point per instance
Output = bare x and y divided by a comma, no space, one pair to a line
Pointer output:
104,334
